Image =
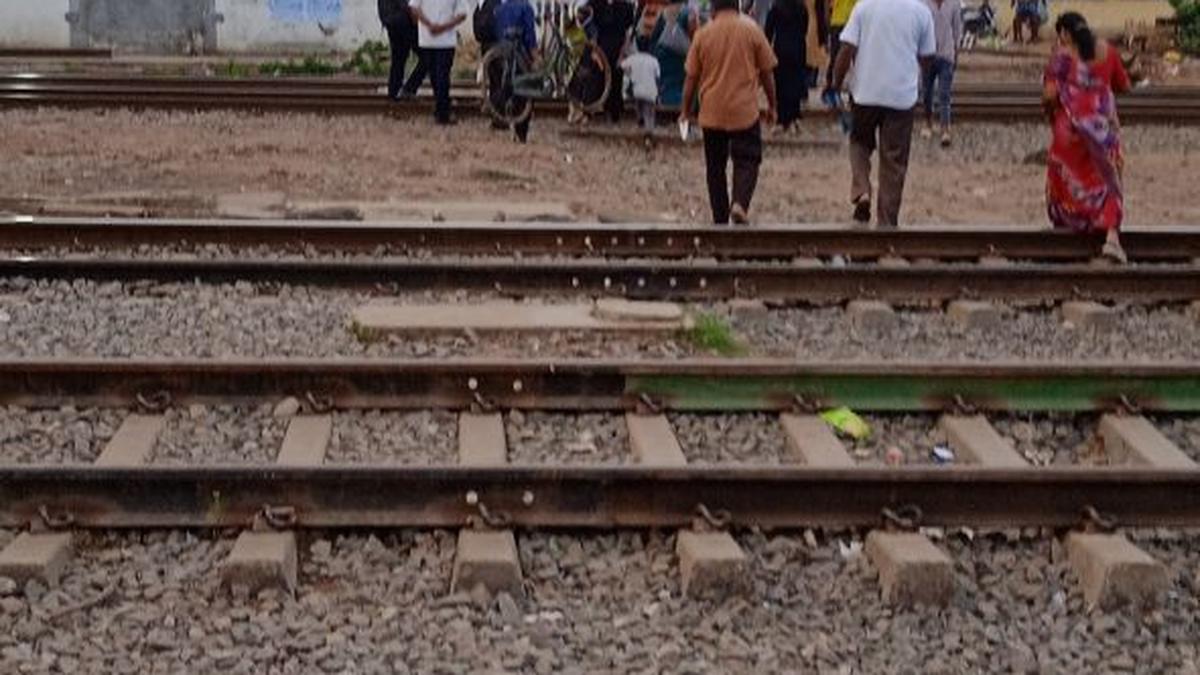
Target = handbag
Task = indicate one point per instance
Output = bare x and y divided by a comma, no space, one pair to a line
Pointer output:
674,37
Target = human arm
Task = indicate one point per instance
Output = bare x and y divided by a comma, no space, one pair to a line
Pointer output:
849,38
1121,83
956,25
692,68
764,58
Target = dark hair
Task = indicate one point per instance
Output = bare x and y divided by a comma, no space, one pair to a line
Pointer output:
719,5
1083,37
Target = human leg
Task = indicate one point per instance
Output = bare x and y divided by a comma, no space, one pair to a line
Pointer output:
615,101
865,121
420,71
745,147
399,47
442,60
716,156
929,79
895,141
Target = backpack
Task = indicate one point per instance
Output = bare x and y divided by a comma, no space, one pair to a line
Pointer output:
674,37
483,21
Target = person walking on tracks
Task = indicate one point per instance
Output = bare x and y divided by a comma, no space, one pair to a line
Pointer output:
1085,161
514,21
730,60
438,22
948,30
889,43
613,20
402,39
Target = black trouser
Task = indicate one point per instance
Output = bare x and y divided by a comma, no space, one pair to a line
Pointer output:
615,103
441,60
745,147
403,41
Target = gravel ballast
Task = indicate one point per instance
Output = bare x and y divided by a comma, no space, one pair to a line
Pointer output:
915,436
200,434
1054,439
242,320
604,603
722,439
549,438
65,435
1184,432
375,437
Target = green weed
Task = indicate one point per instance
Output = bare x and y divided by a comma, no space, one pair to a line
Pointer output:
712,333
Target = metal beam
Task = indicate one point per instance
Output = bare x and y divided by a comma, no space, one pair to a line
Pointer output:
652,279
685,384
595,240
390,496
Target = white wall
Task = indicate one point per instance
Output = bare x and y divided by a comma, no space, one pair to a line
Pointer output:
248,26
35,23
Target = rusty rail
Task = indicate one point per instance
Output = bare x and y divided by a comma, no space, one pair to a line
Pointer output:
683,280
27,233
346,96
703,384
774,497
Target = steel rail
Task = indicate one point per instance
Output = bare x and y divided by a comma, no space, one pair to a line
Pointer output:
676,279
606,240
774,497
222,94
357,83
548,384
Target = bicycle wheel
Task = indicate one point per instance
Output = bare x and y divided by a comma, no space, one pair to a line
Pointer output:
500,67
590,79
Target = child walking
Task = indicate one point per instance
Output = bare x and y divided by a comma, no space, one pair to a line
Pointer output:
642,75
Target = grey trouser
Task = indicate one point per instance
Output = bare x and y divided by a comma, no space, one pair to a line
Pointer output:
646,111
894,130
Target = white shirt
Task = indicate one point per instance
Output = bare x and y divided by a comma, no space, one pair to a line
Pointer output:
439,11
889,36
643,72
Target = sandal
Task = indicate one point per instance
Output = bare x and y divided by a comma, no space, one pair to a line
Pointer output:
1113,251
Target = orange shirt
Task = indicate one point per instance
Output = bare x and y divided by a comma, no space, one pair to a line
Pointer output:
727,57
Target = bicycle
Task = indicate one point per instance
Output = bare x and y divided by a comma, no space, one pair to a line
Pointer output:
511,82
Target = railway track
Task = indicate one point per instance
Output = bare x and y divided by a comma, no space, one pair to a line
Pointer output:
780,264
812,495
580,240
348,96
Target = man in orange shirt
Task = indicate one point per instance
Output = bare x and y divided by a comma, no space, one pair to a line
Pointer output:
729,60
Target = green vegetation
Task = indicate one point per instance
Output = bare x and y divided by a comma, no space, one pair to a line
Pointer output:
310,65
372,59
237,70
713,334
363,334
1187,14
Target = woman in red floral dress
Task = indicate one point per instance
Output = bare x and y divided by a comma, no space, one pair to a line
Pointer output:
1083,177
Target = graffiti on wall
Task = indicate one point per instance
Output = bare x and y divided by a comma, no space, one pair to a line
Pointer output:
323,11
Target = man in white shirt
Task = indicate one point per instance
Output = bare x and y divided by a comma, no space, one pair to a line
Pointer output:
437,34
889,43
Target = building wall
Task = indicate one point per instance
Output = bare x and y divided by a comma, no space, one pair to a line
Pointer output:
35,23
190,26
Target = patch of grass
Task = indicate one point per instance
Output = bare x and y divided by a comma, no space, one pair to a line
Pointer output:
372,59
712,333
363,334
310,65
236,70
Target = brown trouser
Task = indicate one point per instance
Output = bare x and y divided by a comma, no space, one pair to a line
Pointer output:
894,128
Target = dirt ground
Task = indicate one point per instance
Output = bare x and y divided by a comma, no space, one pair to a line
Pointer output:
183,161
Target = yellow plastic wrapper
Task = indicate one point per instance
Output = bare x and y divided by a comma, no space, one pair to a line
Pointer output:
847,422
